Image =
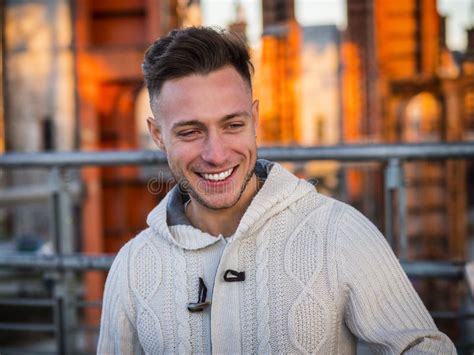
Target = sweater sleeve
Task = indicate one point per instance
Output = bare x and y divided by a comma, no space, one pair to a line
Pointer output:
117,333
382,307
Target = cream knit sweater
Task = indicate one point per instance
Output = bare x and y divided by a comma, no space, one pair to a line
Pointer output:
318,274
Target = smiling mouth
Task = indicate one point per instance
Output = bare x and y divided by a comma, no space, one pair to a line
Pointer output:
218,176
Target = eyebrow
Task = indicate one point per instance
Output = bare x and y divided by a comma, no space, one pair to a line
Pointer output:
187,123
201,125
233,115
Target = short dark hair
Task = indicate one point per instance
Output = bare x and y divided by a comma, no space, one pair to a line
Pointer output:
194,50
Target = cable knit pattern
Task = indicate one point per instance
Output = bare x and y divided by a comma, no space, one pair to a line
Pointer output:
248,262
318,275
382,268
118,334
144,283
263,331
145,286
303,257
181,300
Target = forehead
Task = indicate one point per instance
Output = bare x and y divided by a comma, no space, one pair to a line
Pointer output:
197,96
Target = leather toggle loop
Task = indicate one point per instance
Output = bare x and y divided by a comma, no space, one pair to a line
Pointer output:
235,276
201,304
198,307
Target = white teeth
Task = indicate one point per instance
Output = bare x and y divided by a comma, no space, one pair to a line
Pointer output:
219,176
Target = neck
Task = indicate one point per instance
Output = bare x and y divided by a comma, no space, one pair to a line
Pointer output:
222,221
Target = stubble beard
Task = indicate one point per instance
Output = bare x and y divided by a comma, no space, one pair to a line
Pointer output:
185,187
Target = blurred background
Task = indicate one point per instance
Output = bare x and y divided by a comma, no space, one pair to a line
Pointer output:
327,72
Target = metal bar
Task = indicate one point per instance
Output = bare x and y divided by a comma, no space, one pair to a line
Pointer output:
65,214
46,302
84,304
388,201
388,215
31,193
78,262
402,215
90,329
49,302
465,348
395,183
56,262
18,194
420,269
20,351
64,290
41,327
59,326
54,182
35,327
452,315
338,152
77,159
40,302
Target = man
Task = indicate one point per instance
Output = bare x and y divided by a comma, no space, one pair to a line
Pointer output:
242,256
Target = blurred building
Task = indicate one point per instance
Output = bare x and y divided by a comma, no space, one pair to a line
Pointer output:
298,84
320,112
279,76
38,63
239,25
320,100
402,84
72,69
401,41
73,72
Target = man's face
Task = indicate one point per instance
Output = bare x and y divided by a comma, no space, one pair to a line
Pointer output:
206,124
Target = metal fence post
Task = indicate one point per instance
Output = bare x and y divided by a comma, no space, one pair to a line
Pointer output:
65,318
60,322
394,183
390,183
402,214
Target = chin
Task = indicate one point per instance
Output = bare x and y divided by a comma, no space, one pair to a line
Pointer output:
218,203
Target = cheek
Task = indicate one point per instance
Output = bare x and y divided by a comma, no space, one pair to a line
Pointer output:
182,155
251,145
245,145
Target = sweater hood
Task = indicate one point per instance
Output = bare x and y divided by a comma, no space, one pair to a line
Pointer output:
280,190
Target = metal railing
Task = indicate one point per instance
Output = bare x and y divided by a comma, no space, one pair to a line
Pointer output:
64,263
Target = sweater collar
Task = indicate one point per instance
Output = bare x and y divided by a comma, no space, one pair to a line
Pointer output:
178,198
281,188
184,236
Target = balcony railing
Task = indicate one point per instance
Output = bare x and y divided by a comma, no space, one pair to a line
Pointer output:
63,264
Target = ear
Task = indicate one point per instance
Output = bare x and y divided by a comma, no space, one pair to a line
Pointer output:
255,114
155,132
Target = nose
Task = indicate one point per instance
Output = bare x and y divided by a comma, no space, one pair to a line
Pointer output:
215,152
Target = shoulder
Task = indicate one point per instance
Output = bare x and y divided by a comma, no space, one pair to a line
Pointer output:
339,222
321,209
361,246
313,202
353,225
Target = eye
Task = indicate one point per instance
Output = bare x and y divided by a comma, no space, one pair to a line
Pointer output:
235,125
190,133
